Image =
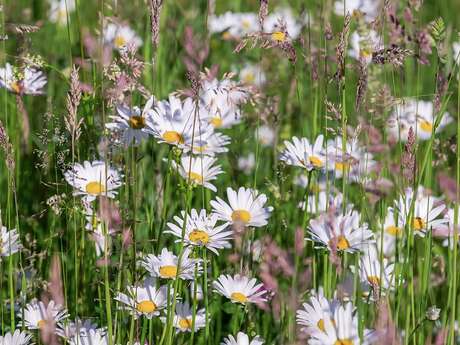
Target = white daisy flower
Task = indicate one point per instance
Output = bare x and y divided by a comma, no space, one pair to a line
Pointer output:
121,36
341,232
247,164
70,329
209,143
242,339
166,265
240,289
183,318
420,115
17,338
91,337
245,205
145,300
424,216
252,74
370,8
265,135
285,16
198,170
447,231
37,315
201,230
9,242
363,45
59,9
28,81
132,123
392,233
93,179
233,25
302,154
315,312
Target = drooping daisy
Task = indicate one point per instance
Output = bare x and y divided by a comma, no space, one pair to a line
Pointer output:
301,153
252,74
37,315
424,216
132,123
242,339
145,300
9,242
369,8
17,338
93,179
198,170
364,44
59,10
265,135
341,232
315,312
121,36
245,205
27,81
91,337
201,230
240,289
165,265
183,318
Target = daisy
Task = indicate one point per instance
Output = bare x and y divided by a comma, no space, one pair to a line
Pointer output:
91,337
314,312
245,205
183,318
28,81
209,143
240,289
93,179
370,8
247,164
392,232
285,17
316,203
165,265
145,300
37,315
341,233
233,25
364,44
121,36
70,329
17,338
301,153
201,230
265,135
420,213
59,10
9,242
198,170
252,74
100,231
242,339
447,231
132,122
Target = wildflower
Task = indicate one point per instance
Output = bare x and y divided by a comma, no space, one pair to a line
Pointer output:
93,179
240,289
145,300
320,202
17,338
208,143
90,337
242,339
285,17
9,242
28,81
233,25
121,36
301,153
247,164
392,231
132,123
198,170
165,265
69,329
364,44
201,230
369,8
314,312
341,232
59,10
252,74
37,315
433,313
265,135
245,206
183,318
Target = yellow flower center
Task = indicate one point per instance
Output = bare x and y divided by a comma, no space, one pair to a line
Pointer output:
119,41
195,177
173,137
226,35
136,122
426,126
343,342
185,323
278,36
342,166
316,161
216,121
320,325
373,280
146,307
41,324
418,224
168,271
95,188
245,24
342,243
239,297
199,236
200,149
393,230
241,215
249,78
16,86
365,53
